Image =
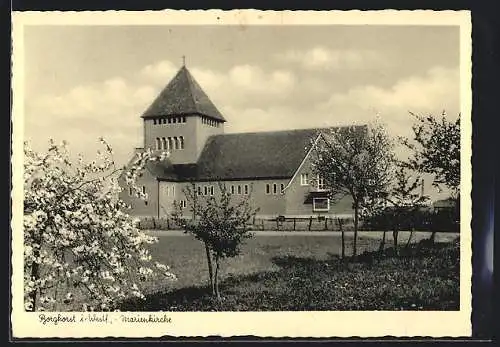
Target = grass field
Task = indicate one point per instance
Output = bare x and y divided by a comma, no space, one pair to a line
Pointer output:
302,272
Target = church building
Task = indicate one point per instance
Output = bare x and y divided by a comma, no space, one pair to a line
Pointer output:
272,167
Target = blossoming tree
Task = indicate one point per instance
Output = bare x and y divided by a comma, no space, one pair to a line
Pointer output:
355,161
220,222
82,251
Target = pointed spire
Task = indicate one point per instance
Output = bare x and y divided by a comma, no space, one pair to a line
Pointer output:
183,60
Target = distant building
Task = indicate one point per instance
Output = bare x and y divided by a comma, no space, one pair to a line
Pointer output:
273,166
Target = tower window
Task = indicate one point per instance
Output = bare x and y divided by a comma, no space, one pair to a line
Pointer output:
183,119
164,143
246,189
205,190
158,143
275,188
199,190
282,188
176,142
239,189
174,120
232,189
170,143
181,142
169,120
212,190
268,188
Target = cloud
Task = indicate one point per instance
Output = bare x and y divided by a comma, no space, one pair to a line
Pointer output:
322,58
435,91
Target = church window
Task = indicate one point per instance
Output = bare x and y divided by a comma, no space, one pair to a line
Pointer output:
212,190
199,190
183,119
169,120
176,142
232,189
158,143
239,189
174,120
282,188
268,188
275,188
304,181
246,189
164,143
181,142
170,143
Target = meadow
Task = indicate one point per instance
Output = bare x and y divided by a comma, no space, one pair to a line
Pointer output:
303,271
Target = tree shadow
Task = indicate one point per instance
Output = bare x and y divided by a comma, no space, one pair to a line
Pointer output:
294,286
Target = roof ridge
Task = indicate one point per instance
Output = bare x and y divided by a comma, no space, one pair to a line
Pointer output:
190,87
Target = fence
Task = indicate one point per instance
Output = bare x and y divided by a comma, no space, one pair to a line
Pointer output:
442,221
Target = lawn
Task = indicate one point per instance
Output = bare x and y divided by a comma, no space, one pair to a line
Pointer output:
288,271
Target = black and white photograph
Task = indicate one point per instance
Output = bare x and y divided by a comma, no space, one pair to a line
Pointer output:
242,167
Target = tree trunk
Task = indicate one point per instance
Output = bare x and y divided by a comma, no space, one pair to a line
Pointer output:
34,276
210,269
409,239
354,248
433,236
216,278
382,243
343,238
395,238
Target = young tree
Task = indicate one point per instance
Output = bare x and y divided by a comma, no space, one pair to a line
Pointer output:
78,241
220,222
355,161
436,150
406,200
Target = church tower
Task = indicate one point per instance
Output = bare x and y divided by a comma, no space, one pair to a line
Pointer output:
180,119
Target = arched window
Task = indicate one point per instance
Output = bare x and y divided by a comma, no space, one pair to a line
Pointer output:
164,143
174,120
158,143
183,119
181,142
170,144
176,142
169,120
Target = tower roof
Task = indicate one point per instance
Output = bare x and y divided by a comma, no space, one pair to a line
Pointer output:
182,95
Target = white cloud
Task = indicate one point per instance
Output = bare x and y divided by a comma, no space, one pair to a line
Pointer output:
321,58
432,93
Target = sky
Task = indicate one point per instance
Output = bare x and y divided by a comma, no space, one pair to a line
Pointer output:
83,82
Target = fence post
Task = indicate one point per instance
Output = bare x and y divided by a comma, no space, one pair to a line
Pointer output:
310,222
